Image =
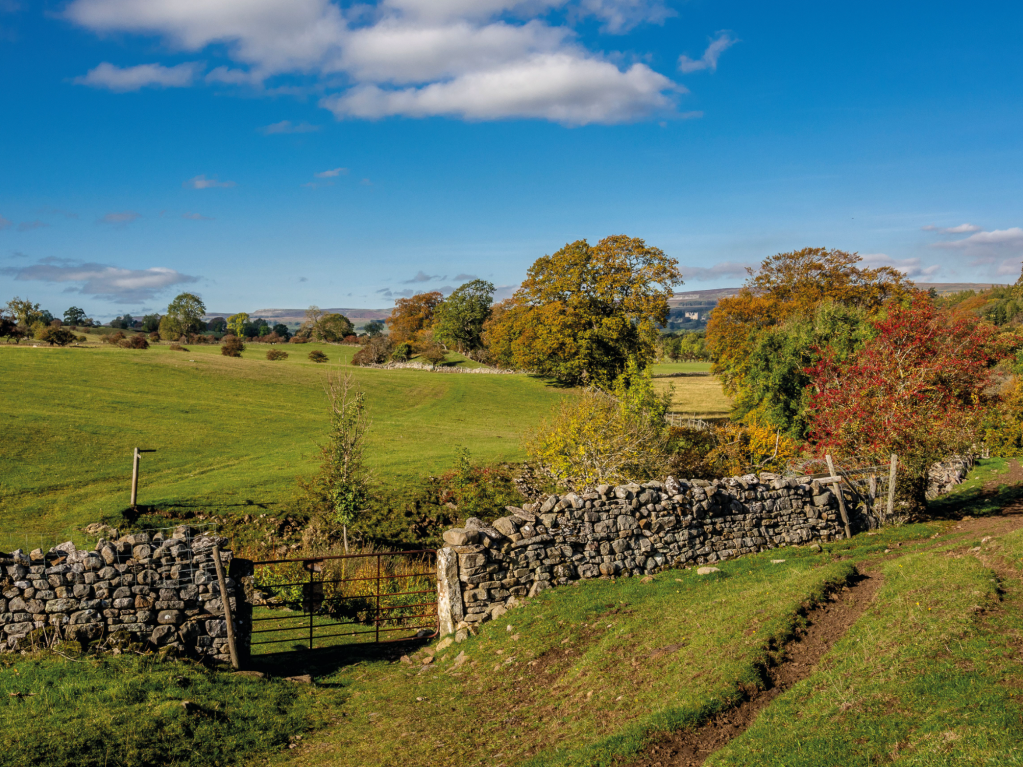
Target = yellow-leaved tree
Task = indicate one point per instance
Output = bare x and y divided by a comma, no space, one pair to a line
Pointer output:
583,312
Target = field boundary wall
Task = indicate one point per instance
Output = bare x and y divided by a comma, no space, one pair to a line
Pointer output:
620,531
154,589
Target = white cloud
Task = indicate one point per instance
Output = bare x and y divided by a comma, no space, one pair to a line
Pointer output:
1012,238
286,126
109,282
559,87
620,16
333,173
272,35
724,270
201,182
400,52
911,267
961,229
27,226
196,217
4,223
121,218
474,59
113,78
709,59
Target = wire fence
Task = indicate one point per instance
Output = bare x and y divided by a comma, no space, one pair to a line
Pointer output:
865,489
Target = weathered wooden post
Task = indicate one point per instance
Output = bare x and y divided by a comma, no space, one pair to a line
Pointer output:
891,486
135,475
225,600
841,498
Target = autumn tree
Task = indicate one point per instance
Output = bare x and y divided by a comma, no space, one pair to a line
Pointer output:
583,312
184,316
459,318
781,298
236,323
412,317
915,389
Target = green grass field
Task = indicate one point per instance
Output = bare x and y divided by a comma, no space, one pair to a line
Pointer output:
230,434
673,368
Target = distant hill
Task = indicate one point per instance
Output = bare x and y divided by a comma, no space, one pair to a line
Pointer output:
297,316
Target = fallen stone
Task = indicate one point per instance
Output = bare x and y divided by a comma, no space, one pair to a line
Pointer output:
445,643
707,570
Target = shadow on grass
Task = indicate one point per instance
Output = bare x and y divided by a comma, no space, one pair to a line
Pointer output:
976,502
325,661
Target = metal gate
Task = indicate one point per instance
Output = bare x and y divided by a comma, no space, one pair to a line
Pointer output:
316,602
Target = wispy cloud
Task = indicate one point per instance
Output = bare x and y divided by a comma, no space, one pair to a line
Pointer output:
103,281
466,277
196,217
106,75
998,238
961,229
913,268
709,59
333,173
121,218
27,226
724,270
422,276
286,126
201,182
5,223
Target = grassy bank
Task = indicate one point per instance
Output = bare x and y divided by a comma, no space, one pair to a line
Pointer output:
929,676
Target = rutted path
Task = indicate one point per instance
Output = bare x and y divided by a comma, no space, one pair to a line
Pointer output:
829,621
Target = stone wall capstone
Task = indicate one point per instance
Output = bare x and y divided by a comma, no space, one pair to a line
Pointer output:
618,531
158,589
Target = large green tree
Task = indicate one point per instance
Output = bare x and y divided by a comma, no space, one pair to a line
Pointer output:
333,328
584,311
184,315
74,316
458,320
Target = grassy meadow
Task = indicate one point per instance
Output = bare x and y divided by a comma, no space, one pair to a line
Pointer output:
231,434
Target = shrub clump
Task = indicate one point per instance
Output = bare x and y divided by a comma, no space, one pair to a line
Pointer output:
317,356
134,342
299,340
402,352
154,336
178,348
276,354
57,336
232,346
375,352
114,338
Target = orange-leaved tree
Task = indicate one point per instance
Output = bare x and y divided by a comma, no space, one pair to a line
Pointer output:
412,317
582,313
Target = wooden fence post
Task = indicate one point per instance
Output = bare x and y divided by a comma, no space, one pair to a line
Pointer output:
225,600
135,477
891,486
841,498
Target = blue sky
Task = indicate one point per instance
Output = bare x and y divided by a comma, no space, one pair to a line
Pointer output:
281,153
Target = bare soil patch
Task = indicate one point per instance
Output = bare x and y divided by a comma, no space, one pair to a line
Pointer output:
829,621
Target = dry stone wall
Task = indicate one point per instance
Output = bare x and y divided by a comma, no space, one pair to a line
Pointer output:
618,531
157,589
